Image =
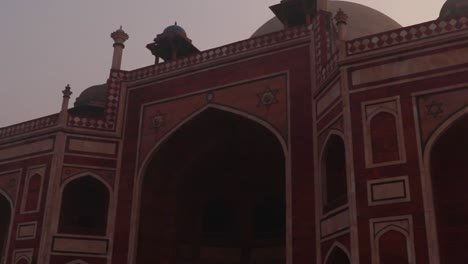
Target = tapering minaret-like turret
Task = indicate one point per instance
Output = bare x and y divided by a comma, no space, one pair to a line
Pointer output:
119,36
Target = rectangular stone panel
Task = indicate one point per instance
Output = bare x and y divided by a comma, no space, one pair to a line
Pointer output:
334,223
410,66
328,98
88,246
387,191
25,149
92,146
26,231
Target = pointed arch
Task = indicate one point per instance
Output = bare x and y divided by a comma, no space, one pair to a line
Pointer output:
384,137
337,250
23,260
255,119
393,245
142,168
394,228
84,214
333,170
431,190
381,110
84,174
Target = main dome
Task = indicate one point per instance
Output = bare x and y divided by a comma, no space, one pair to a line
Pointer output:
362,20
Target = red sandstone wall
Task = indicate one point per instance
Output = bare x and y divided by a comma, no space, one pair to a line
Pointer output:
292,64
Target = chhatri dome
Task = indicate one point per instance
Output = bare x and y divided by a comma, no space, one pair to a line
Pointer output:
362,20
175,29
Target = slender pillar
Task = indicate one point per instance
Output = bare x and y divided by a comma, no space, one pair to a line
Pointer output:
119,36
341,24
63,116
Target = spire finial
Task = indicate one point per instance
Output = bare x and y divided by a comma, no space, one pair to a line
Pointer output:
175,23
341,17
67,92
120,27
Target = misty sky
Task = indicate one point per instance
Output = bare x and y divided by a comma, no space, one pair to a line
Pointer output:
46,44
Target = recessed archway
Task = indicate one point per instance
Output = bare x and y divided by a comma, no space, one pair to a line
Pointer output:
449,171
5,222
333,174
84,207
205,189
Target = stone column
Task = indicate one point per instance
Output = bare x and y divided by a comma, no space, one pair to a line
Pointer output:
63,116
341,24
119,36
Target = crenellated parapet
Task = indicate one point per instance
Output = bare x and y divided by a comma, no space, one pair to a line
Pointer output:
29,126
406,35
215,54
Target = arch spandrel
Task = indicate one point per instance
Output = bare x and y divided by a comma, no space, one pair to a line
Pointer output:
434,109
264,100
70,172
9,184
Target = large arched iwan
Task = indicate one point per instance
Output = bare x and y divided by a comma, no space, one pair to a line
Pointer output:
206,188
449,172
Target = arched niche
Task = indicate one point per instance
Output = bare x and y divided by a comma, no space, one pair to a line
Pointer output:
393,246
449,170
217,165
333,173
337,255
33,195
22,260
384,137
84,207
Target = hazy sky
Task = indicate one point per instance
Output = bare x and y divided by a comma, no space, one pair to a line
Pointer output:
46,44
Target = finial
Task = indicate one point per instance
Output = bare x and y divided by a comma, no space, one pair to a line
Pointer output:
175,23
67,92
119,36
341,17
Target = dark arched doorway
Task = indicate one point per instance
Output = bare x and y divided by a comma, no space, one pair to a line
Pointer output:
337,256
449,171
84,208
334,186
5,213
206,190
